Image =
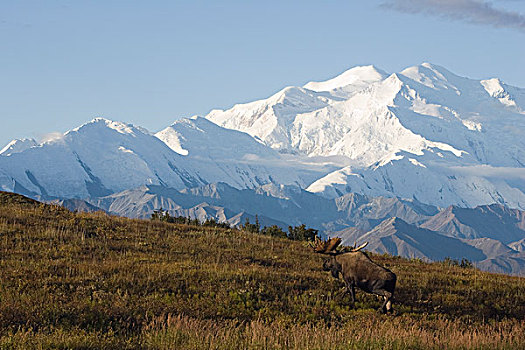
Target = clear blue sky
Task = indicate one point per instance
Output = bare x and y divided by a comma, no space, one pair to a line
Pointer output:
151,62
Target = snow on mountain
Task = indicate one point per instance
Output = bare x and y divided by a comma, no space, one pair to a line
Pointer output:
422,133
200,137
103,157
270,120
361,127
438,182
233,157
352,80
17,145
95,159
505,94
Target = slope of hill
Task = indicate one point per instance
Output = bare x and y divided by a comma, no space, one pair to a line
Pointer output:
80,280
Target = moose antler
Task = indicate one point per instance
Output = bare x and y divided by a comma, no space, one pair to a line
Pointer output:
354,249
330,246
325,247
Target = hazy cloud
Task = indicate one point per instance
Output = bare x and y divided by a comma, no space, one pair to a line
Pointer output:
51,136
472,11
491,172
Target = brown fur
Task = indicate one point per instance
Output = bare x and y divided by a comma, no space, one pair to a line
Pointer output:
358,270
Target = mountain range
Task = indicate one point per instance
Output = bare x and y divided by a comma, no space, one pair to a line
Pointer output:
408,161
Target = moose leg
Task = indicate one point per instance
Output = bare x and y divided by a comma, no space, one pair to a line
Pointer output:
350,288
383,289
390,286
352,293
387,296
387,305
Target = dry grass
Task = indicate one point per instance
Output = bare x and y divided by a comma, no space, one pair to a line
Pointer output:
368,330
92,281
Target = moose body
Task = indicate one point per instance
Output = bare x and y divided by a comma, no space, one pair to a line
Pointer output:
358,270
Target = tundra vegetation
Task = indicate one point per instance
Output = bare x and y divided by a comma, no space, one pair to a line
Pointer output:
92,281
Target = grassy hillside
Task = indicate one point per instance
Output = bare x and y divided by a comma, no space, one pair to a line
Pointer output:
93,281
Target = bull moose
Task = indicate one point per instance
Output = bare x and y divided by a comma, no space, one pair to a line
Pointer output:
358,270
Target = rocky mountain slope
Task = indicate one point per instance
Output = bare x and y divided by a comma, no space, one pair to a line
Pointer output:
397,237
491,221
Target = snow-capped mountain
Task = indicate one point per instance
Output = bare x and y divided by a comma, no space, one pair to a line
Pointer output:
102,157
94,159
422,133
18,145
200,137
234,157
349,82
271,120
